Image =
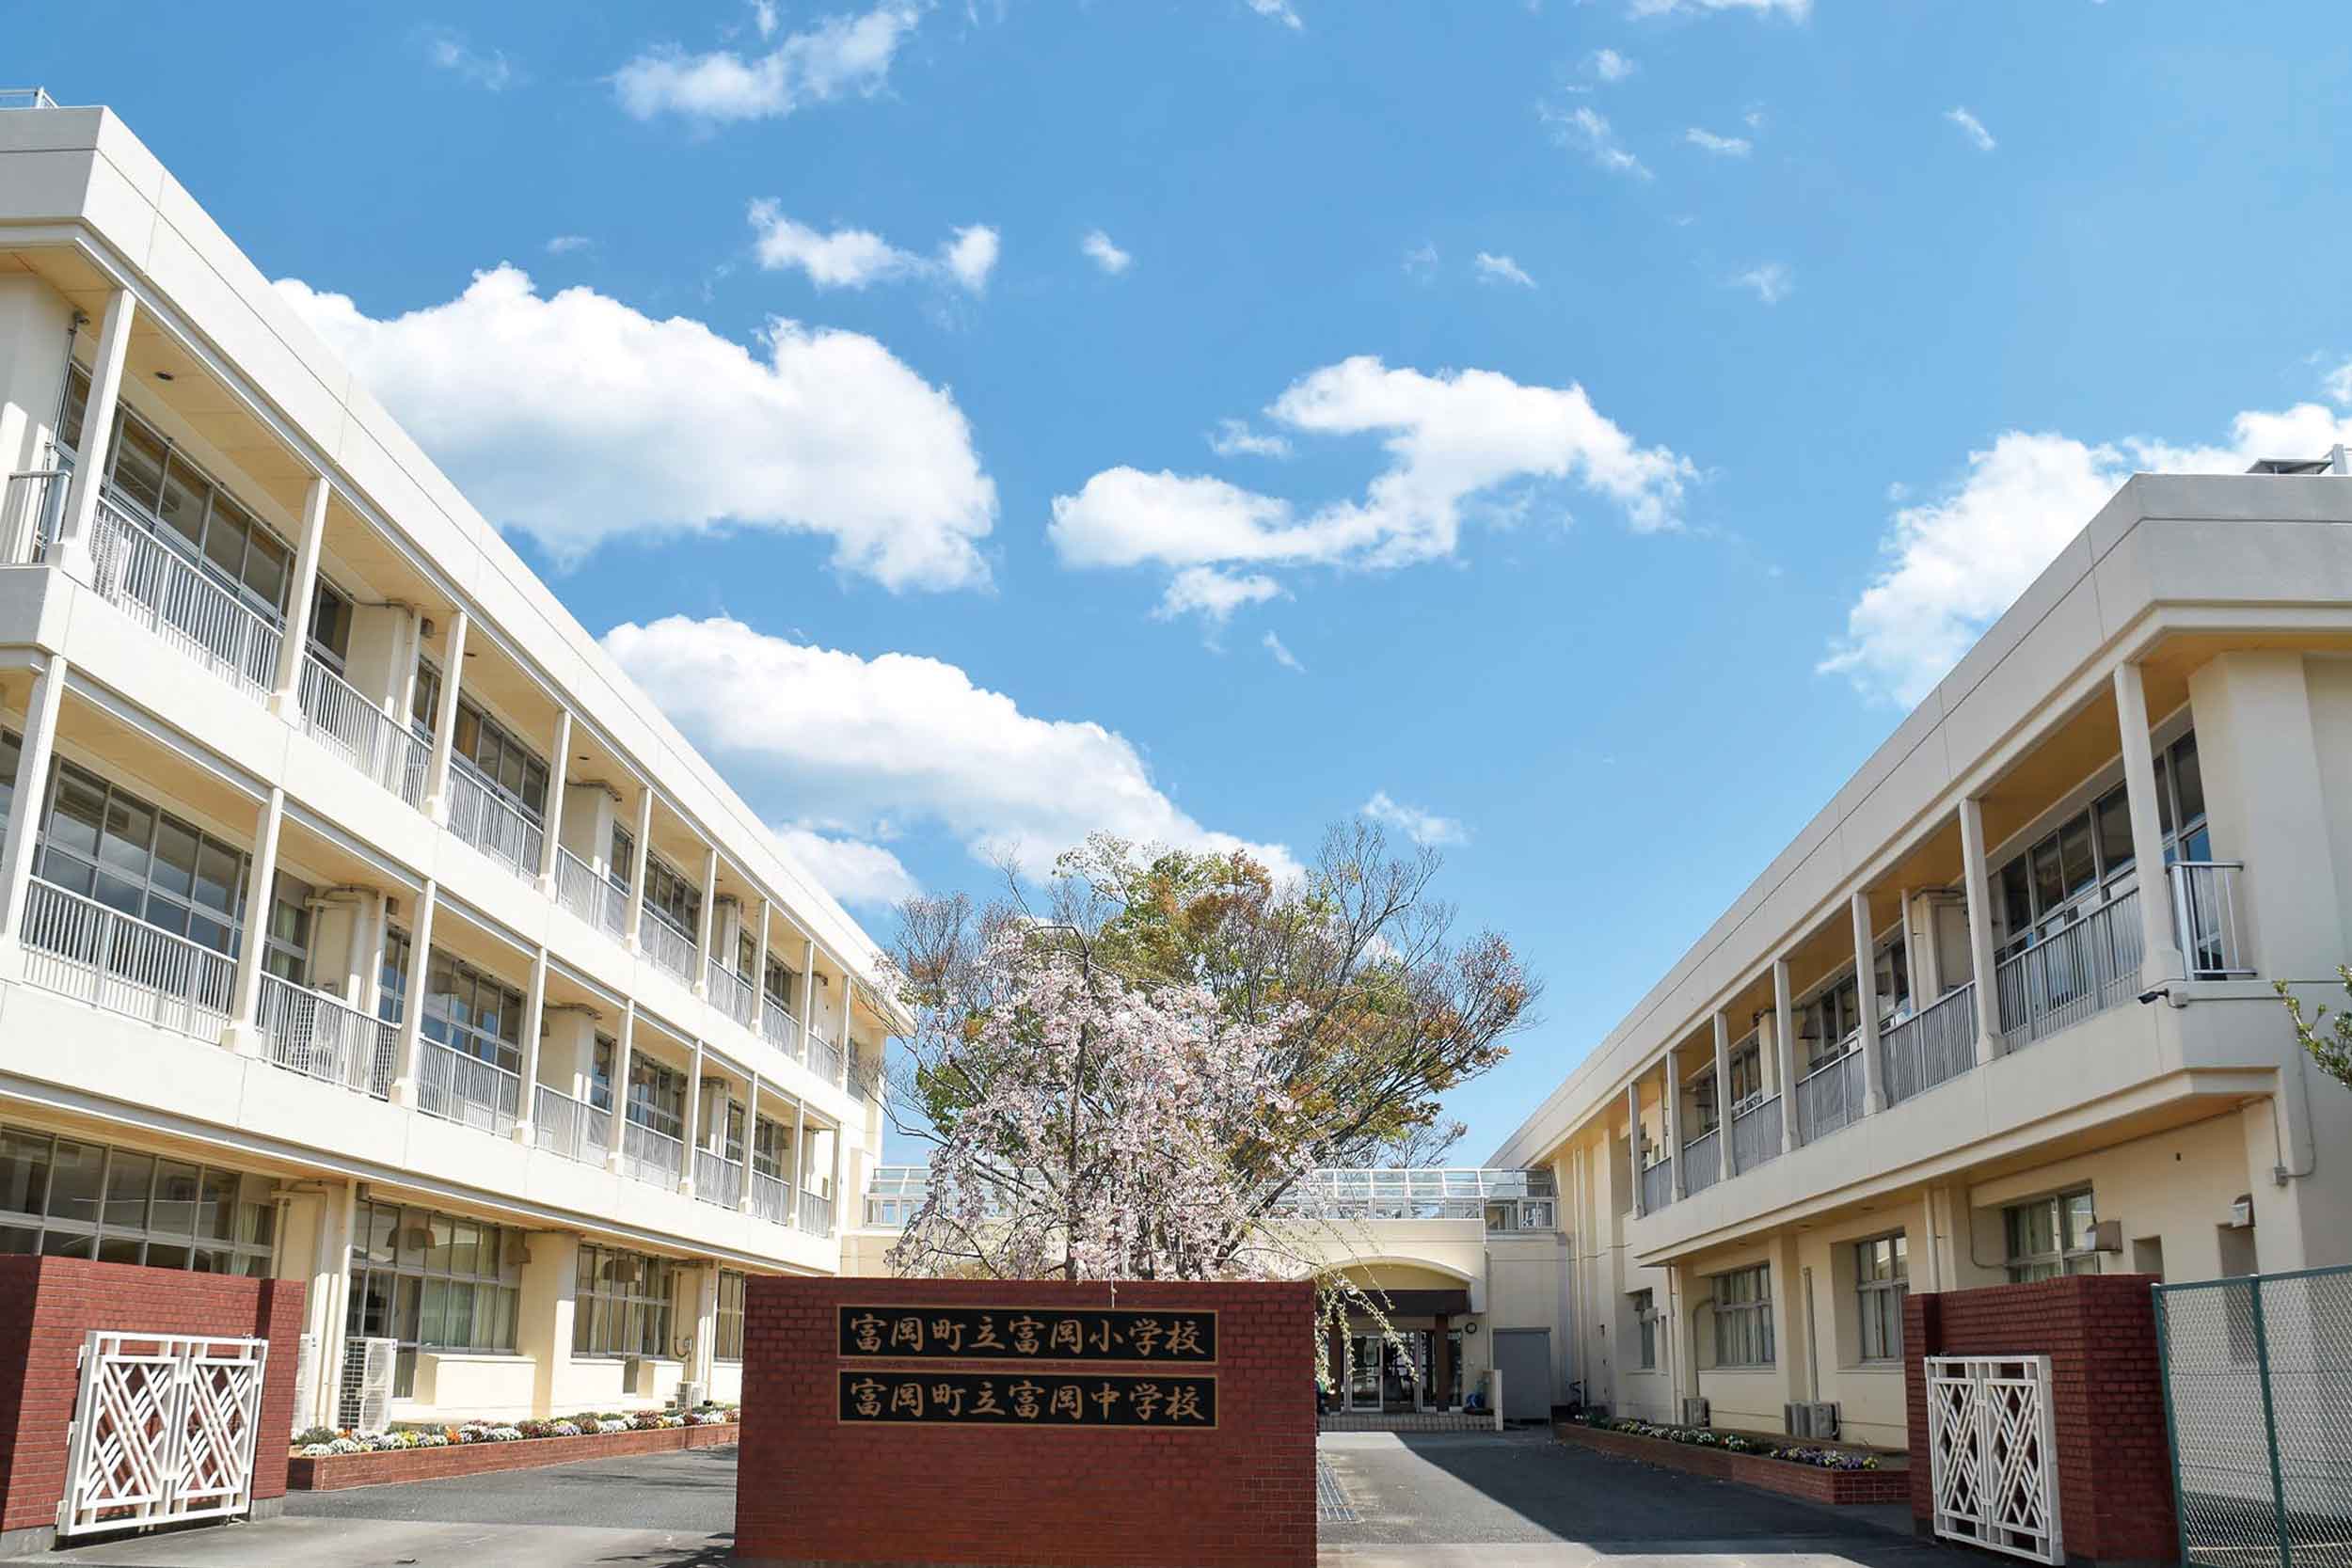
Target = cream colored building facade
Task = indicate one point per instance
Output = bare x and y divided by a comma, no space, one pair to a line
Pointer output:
359,922
1956,1035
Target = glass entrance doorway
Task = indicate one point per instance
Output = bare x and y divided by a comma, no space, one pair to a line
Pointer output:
1386,1376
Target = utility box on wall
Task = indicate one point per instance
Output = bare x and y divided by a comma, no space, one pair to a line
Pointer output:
1027,1422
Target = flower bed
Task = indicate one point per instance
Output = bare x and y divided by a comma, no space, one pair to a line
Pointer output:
1818,1474
324,1461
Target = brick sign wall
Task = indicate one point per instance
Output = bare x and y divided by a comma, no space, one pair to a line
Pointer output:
48,1305
1032,1424
2106,1391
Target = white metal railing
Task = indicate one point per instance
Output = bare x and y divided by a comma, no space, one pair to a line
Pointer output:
1703,1160
572,1128
771,1199
178,600
27,97
481,815
778,1027
1756,1134
2072,974
1657,1186
651,1156
460,1087
824,1058
2206,919
816,1213
360,731
717,1180
321,1037
594,897
1830,1097
1931,1047
29,515
733,995
667,945
78,947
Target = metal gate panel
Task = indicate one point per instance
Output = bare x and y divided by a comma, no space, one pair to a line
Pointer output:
1993,1454
166,1427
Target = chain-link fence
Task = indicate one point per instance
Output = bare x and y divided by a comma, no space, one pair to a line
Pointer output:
2258,1397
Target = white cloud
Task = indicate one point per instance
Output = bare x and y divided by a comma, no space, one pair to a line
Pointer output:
2338,383
1277,11
904,740
851,869
564,244
1234,438
1283,655
840,55
1796,11
1771,282
488,69
1954,563
764,16
1585,130
857,258
1610,66
1722,147
1502,269
576,419
1455,441
1973,128
1421,262
1214,596
1103,253
1422,827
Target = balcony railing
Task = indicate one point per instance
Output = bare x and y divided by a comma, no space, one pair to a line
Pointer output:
771,1199
594,898
1657,1186
650,1156
2072,974
481,814
668,946
1931,1047
361,733
717,1180
458,1088
176,599
1756,1134
78,947
572,1128
29,515
816,1213
824,1058
321,1037
1830,1097
733,995
778,1027
1703,1160
2205,916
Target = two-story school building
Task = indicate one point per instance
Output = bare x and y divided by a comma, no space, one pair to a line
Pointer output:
359,920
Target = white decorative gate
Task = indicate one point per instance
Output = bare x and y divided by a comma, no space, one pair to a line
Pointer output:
164,1428
1993,1453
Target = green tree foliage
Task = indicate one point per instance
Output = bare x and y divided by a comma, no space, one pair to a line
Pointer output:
2330,1046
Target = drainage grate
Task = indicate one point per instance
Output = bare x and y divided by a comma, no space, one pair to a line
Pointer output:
1331,1505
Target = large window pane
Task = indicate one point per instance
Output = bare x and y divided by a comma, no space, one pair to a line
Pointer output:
139,464
176,1191
79,809
2115,833
2188,779
129,1178
23,1171
186,496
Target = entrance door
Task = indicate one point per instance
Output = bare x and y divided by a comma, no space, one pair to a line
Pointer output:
1363,1379
1523,1357
1405,1371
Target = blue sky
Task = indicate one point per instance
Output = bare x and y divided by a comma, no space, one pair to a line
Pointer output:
1625,407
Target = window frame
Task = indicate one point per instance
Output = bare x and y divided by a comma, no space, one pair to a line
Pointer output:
608,1312
2025,1267
404,1314
727,1339
1646,1329
1743,1318
246,1248
1879,1296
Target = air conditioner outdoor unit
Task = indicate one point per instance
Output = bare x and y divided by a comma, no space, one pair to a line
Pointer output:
689,1395
1695,1413
1811,1419
366,1389
306,1412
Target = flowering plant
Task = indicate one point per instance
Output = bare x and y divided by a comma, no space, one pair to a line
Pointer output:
1734,1442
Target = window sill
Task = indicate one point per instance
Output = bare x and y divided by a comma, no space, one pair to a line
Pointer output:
488,1357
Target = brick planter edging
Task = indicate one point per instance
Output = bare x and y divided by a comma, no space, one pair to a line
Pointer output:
334,1472
1812,1482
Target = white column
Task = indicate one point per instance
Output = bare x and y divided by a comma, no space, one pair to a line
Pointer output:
1920,996
1670,1076
640,848
535,1020
1866,994
402,699
799,1162
1979,884
839,1198
809,991
261,884
760,975
30,796
97,430
359,950
2162,962
620,1082
1724,1165
412,1008
286,698
1784,1055
445,721
694,1120
704,927
750,1141
1633,1139
559,764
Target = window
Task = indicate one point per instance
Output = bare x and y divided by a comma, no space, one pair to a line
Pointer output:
772,1148
330,626
393,986
286,940
472,1013
621,1303
1825,1023
2051,1236
106,844
1882,1274
727,1343
1747,1074
656,1096
621,865
1646,1324
68,1198
2086,859
433,1282
669,894
1743,1317
779,982
502,760
425,703
601,1073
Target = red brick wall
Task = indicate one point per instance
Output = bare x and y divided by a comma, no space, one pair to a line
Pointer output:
335,1472
48,1304
811,1490
1812,1482
2115,1473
